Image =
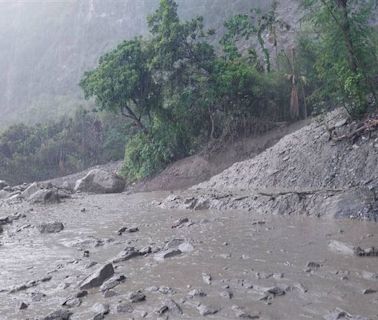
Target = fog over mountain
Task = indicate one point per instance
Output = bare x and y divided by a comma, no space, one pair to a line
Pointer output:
45,46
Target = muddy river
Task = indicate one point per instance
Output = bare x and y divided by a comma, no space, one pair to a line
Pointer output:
237,264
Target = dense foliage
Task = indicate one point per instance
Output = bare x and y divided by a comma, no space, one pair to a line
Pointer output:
29,153
339,51
180,93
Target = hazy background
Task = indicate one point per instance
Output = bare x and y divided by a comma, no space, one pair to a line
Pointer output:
46,45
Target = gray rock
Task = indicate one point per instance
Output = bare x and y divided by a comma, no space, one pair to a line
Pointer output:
45,196
173,306
137,296
100,181
126,254
100,310
99,277
339,314
240,313
53,227
341,247
197,293
72,302
29,191
112,283
207,310
124,308
59,315
168,253
206,278
23,306
180,222
369,291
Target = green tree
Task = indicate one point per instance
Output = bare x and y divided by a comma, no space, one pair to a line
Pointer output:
346,55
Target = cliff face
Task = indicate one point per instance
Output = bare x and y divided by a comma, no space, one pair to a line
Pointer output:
45,45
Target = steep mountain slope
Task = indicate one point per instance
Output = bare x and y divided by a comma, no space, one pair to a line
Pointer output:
45,46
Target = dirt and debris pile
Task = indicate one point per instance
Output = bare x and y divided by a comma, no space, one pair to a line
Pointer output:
329,167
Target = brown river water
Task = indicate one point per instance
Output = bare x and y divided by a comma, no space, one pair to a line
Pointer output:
242,257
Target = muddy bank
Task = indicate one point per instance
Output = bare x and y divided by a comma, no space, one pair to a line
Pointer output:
183,265
306,172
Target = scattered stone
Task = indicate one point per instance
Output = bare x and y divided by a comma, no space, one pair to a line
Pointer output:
206,278
178,223
37,296
275,291
101,310
197,293
369,252
145,251
339,314
72,302
260,223
126,254
23,306
59,315
137,296
311,266
369,275
45,196
240,313
207,310
100,181
121,231
125,308
109,293
166,290
112,283
169,253
226,294
173,306
369,291
342,248
53,227
99,277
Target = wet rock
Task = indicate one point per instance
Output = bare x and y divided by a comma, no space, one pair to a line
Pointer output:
368,252
137,296
45,196
126,254
37,296
240,313
112,282
109,293
72,302
178,223
124,308
226,294
166,290
173,306
369,291
339,314
342,248
312,266
3,184
275,291
207,310
100,310
206,278
23,306
145,251
196,293
59,315
99,277
100,181
29,191
53,227
168,253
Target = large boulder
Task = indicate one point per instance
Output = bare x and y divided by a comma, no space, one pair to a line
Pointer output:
45,196
98,278
100,181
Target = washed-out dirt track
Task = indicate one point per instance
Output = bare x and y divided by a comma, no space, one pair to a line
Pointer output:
237,264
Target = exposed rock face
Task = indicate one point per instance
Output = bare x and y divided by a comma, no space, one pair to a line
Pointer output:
100,181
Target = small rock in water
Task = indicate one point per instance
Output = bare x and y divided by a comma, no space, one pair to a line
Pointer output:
240,313
207,310
137,296
369,291
112,282
125,308
169,253
179,223
99,277
53,227
59,315
126,254
197,293
72,302
206,278
311,266
23,306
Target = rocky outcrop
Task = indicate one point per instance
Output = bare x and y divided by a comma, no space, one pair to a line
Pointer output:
100,181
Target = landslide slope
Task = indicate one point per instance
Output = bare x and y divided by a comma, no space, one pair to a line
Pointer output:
305,172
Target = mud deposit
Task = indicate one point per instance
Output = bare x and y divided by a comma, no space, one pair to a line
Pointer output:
223,265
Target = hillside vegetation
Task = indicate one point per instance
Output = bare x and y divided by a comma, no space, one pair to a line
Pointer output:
180,88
